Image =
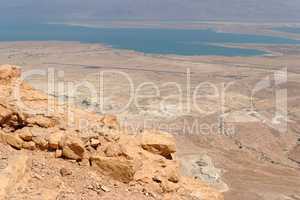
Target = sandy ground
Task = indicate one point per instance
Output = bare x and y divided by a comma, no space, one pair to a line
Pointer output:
174,93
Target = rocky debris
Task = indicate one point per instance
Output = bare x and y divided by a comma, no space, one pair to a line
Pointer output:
159,143
65,172
146,160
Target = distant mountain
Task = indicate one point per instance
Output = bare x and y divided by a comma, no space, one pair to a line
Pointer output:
225,10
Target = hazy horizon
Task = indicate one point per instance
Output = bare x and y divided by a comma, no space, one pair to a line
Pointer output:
229,10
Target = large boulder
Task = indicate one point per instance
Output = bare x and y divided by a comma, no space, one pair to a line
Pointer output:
12,139
158,143
73,148
118,168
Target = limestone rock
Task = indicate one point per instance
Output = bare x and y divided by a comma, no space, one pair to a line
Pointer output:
55,140
115,150
73,148
25,134
29,145
158,143
42,121
117,167
7,72
40,142
14,141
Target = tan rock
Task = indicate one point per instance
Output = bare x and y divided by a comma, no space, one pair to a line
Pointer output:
115,150
65,172
118,168
29,145
158,143
42,121
58,153
7,72
25,134
168,186
40,142
73,148
14,141
55,140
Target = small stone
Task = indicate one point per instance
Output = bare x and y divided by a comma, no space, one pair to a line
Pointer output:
37,177
105,188
94,142
65,172
58,153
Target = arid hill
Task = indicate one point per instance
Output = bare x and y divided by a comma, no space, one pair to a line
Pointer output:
46,153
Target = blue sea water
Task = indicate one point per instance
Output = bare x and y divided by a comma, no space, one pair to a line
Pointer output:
152,41
288,29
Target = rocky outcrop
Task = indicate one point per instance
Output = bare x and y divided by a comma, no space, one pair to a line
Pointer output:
146,159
